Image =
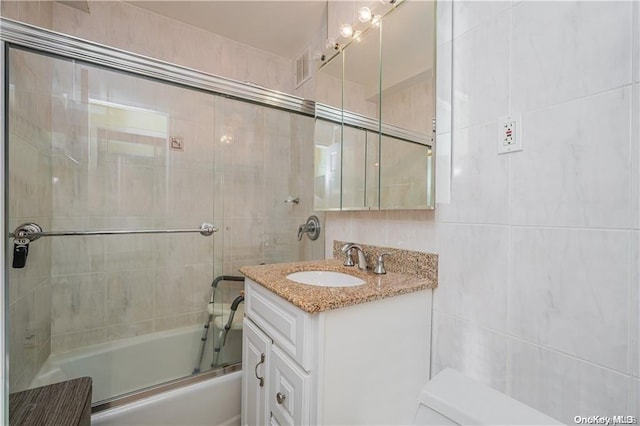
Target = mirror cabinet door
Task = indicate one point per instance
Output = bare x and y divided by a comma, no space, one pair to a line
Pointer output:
406,79
408,104
354,160
404,174
329,82
361,78
372,179
327,165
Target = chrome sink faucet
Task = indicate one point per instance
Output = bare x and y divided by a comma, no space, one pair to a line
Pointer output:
362,260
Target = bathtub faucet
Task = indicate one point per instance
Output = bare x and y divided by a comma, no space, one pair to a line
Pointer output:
362,260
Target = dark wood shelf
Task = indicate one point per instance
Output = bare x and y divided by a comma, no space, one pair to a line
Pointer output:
59,404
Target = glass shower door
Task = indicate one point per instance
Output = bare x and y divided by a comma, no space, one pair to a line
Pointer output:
96,149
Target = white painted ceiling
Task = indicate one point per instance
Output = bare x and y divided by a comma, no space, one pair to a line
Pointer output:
280,27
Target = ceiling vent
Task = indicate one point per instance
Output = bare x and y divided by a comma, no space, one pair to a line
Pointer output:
302,68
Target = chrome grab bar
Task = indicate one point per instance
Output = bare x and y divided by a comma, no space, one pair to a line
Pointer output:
33,231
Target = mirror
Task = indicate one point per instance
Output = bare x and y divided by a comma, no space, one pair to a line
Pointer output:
386,85
408,103
361,77
327,165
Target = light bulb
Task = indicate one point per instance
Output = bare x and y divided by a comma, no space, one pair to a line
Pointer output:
330,43
364,14
346,30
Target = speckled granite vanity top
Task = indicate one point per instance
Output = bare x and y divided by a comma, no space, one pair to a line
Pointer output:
313,299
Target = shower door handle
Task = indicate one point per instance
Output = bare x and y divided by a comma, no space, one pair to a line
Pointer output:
260,379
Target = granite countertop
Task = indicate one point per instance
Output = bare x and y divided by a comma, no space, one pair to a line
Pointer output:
314,299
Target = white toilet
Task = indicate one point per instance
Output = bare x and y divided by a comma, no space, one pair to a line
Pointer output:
451,398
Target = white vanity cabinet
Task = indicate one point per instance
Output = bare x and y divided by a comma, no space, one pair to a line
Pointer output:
359,364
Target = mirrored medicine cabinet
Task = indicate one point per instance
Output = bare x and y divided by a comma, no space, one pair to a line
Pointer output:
374,136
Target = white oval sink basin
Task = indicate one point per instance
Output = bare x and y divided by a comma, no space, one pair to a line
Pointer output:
325,279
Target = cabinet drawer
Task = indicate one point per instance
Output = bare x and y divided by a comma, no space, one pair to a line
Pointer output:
289,390
290,327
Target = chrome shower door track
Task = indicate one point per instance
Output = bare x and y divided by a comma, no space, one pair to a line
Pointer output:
128,398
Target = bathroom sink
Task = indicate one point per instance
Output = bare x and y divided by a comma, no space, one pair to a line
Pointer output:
325,279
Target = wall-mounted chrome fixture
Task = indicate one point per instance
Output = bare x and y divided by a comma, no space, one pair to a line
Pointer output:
290,199
29,232
311,228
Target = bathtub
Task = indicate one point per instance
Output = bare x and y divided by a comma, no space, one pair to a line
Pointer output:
210,402
128,365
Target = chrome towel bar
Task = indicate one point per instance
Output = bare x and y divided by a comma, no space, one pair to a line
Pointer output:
33,231
26,233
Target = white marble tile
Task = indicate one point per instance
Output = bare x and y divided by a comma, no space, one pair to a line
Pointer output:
444,156
565,50
444,22
481,73
175,321
476,352
469,14
479,179
180,289
127,252
76,255
129,191
572,173
42,314
636,42
634,398
337,227
11,9
443,88
78,302
635,155
129,296
565,287
564,387
129,330
369,227
69,341
412,230
247,238
634,300
142,37
91,26
472,273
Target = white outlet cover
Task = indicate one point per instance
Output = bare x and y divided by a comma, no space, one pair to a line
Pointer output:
516,125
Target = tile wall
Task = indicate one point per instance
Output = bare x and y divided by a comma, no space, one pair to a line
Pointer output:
538,250
30,189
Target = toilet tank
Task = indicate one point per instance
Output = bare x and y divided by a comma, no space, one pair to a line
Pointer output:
451,398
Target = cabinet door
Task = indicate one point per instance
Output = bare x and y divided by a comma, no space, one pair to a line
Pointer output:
256,349
289,390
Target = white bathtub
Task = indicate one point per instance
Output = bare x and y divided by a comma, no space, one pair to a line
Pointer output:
131,364
210,402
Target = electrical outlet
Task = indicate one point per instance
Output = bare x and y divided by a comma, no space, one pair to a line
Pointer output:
510,133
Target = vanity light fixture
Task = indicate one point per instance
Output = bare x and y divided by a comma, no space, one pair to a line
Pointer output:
330,43
346,30
364,14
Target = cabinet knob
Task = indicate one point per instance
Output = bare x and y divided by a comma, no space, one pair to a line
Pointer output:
280,398
260,379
